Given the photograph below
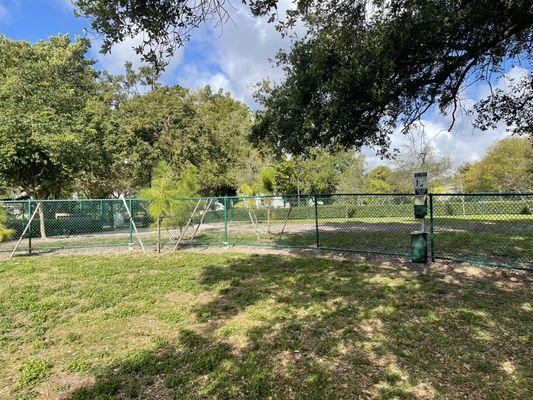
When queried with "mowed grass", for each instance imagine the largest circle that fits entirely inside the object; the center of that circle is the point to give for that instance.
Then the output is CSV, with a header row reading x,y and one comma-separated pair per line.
x,y
191,326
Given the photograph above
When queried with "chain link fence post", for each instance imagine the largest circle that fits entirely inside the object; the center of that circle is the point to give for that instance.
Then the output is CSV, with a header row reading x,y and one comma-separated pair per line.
x,y
29,228
130,244
316,223
431,229
226,243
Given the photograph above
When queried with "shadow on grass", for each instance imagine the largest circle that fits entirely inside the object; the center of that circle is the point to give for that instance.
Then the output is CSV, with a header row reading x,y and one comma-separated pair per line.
x,y
304,328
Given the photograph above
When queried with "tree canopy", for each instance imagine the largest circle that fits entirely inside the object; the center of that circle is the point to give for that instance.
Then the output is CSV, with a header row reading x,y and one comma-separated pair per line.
x,y
67,129
362,67
507,166
362,72
46,119
207,129
320,172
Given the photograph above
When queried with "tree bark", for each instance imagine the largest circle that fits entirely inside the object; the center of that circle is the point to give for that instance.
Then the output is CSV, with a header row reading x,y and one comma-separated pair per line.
x,y
41,221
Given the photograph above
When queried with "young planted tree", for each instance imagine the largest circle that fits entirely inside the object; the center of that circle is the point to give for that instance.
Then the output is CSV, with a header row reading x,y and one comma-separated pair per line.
x,y
249,204
266,186
246,190
181,209
164,194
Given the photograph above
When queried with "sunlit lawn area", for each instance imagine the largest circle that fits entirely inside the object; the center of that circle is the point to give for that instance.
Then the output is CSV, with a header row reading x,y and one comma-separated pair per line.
x,y
259,326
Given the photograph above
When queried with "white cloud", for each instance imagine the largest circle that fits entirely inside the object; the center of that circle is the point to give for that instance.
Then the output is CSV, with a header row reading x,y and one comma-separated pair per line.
x,y
125,51
233,58
463,143
239,52
193,77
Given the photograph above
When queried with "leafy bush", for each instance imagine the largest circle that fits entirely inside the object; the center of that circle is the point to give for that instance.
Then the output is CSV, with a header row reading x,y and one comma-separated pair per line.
x,y
5,232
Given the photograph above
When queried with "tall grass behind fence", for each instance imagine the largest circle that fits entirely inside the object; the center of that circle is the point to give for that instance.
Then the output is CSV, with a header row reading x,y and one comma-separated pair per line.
x,y
485,228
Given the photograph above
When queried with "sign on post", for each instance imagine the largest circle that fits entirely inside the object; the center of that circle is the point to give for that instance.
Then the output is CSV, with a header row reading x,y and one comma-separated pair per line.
x,y
419,238
421,191
421,183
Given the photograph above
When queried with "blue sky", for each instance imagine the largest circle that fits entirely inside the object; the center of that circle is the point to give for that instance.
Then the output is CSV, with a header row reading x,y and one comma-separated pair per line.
x,y
234,60
37,19
34,20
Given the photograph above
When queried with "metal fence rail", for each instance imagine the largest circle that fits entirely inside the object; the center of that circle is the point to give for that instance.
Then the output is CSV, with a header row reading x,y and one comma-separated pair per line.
x,y
493,229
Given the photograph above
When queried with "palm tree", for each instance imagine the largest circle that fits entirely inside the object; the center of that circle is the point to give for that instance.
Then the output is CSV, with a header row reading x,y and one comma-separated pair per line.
x,y
164,194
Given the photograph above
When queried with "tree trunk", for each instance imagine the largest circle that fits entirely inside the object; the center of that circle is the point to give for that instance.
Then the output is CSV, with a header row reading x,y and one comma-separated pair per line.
x,y
159,235
41,221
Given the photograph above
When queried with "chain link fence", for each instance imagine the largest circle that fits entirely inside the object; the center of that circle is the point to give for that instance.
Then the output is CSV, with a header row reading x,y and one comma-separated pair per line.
x,y
495,229
492,229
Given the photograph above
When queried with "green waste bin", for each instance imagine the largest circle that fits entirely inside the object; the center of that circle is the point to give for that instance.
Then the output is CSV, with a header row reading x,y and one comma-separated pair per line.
x,y
419,247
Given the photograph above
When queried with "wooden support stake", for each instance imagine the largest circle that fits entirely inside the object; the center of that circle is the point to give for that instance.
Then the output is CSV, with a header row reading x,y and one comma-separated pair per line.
x,y
186,226
206,208
133,223
254,221
24,231
286,220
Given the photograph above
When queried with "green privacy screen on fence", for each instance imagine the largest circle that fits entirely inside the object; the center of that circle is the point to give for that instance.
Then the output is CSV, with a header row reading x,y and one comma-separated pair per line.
x,y
494,229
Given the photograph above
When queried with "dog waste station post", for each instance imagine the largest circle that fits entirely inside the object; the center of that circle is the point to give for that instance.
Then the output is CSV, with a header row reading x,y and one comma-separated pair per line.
x,y
419,239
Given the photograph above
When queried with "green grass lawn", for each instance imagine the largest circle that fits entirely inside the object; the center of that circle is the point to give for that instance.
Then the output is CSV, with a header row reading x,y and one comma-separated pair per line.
x,y
191,326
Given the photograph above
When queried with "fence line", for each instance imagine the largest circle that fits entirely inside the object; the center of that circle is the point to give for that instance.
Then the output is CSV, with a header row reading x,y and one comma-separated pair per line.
x,y
492,229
